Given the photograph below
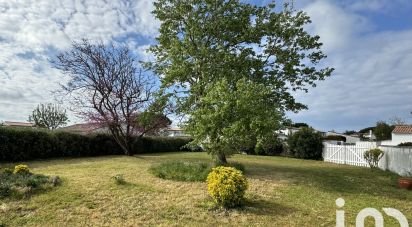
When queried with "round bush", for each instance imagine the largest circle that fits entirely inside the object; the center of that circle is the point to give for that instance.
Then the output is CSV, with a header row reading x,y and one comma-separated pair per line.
x,y
227,186
306,144
21,169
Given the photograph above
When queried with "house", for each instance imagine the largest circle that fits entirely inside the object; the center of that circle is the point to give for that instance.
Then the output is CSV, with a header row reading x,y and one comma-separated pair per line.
x,y
349,138
175,132
402,134
84,129
284,133
17,124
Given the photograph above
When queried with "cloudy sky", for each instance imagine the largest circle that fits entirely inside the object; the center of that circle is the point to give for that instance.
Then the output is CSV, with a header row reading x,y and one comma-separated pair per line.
x,y
368,42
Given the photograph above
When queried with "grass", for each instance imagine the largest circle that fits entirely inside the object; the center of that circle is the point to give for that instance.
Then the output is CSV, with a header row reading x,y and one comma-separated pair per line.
x,y
187,170
181,171
282,192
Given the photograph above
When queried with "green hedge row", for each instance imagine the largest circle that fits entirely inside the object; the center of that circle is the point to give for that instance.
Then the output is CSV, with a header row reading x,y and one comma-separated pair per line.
x,y
19,145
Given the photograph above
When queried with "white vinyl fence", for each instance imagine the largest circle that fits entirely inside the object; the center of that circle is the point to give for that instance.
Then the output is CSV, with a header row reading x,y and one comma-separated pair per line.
x,y
395,159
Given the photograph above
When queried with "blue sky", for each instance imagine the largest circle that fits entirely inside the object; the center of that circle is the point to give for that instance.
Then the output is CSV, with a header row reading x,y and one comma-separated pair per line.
x,y
369,42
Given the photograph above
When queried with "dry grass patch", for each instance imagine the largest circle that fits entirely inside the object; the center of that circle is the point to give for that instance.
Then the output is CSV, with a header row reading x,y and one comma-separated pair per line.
x,y
282,192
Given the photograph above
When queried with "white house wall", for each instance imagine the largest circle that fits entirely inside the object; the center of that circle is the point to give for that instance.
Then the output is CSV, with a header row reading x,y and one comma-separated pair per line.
x,y
401,138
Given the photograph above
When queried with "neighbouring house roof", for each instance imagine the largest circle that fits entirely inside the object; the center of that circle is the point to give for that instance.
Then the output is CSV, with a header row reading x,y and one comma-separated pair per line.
x,y
174,129
84,128
18,124
403,129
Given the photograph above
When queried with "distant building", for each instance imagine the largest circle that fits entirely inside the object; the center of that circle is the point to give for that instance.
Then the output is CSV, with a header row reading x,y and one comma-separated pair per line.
x,y
349,138
17,124
284,133
175,132
85,129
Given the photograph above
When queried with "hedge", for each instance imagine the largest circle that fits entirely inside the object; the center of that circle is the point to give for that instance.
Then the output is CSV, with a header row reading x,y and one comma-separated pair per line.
x,y
23,145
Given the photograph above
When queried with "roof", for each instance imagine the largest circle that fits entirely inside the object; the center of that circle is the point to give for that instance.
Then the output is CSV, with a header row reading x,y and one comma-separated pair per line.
x,y
403,129
82,128
16,123
174,129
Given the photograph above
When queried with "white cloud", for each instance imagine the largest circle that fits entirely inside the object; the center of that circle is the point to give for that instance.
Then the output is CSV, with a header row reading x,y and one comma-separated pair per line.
x,y
32,30
372,77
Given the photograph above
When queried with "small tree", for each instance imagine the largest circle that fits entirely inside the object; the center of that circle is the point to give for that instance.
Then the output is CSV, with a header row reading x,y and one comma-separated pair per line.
x,y
306,144
382,131
373,156
106,87
50,116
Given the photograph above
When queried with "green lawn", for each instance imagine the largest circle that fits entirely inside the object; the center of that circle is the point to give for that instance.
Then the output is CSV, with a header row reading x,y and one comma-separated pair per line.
x,y
282,192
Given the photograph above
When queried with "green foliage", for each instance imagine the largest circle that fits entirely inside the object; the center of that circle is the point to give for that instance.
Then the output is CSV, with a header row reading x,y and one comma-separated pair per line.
x,y
235,94
21,145
366,130
373,156
335,137
181,171
382,131
119,179
21,169
349,132
405,144
50,116
272,147
306,144
230,120
227,186
299,125
21,184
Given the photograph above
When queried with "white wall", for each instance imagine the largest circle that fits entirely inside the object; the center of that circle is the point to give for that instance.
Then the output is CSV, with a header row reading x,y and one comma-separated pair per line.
x,y
401,138
396,159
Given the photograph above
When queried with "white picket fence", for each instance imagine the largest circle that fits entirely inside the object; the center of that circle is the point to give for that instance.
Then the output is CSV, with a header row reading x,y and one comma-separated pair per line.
x,y
346,154
395,159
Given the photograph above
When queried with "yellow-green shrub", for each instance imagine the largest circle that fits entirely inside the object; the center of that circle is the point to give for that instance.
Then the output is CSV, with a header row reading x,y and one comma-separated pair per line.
x,y
227,186
21,169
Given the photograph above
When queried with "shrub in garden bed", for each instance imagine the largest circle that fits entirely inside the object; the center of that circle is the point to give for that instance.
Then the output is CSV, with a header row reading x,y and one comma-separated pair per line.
x,y
22,183
227,186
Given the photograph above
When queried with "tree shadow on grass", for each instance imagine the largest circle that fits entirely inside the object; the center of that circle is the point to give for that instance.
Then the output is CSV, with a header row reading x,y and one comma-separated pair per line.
x,y
331,178
264,207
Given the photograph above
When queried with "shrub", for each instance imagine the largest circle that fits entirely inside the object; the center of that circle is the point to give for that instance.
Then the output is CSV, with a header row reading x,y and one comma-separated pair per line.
x,y
405,144
335,137
272,147
373,156
22,145
181,171
119,179
22,185
306,144
227,186
21,169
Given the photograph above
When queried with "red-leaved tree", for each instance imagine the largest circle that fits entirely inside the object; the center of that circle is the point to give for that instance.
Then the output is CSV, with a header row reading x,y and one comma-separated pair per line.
x,y
106,87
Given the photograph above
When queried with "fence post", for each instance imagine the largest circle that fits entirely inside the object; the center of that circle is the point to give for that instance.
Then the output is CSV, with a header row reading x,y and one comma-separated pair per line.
x,y
344,154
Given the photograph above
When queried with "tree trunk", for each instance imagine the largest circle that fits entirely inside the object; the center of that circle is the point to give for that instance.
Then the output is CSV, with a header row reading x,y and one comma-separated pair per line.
x,y
221,158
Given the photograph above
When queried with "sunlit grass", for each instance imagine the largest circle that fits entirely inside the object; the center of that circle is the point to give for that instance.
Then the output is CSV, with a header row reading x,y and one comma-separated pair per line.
x,y
282,192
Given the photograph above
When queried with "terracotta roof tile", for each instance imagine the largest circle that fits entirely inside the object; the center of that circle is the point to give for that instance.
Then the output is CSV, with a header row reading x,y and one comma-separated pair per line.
x,y
403,129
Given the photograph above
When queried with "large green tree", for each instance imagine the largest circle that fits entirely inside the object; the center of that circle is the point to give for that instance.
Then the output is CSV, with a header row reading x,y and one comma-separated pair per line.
x,y
211,51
